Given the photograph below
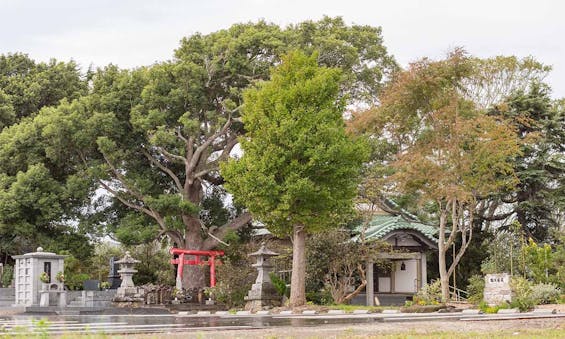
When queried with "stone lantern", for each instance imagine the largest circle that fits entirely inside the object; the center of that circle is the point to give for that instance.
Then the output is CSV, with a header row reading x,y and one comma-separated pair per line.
x,y
262,293
127,290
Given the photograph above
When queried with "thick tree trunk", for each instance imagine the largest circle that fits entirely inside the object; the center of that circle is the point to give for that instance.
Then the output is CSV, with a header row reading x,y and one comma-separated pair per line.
x,y
194,276
298,280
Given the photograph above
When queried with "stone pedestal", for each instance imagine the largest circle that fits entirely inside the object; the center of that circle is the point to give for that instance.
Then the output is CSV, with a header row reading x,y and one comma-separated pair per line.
x,y
127,292
262,294
497,289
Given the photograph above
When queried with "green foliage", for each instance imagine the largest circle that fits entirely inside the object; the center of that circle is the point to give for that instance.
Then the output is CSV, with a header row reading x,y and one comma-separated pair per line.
x,y
537,202
334,263
539,261
76,272
476,288
429,294
152,137
280,285
27,86
298,167
234,281
319,297
545,293
7,275
443,148
504,249
485,308
523,297
44,278
155,264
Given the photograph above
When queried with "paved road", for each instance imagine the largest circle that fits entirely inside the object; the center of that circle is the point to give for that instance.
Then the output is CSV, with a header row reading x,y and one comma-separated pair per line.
x,y
130,324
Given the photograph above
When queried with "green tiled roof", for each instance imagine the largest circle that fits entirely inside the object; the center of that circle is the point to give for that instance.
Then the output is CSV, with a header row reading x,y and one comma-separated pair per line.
x,y
382,225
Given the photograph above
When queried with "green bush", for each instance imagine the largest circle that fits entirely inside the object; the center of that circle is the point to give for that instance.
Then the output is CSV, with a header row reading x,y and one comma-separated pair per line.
x,y
430,294
545,293
234,281
320,297
523,294
476,288
7,276
280,285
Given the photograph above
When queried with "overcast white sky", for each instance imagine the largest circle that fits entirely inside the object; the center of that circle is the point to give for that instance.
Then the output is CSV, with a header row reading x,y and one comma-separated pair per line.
x,y
131,33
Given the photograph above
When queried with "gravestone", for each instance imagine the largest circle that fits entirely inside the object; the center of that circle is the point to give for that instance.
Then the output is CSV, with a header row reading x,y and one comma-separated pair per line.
x,y
114,276
91,285
28,272
497,289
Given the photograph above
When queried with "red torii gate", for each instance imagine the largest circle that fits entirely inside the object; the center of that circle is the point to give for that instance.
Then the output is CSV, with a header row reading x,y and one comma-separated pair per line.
x,y
181,261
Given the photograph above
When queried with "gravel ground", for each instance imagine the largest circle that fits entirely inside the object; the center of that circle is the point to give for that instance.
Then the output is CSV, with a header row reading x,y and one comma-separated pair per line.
x,y
447,329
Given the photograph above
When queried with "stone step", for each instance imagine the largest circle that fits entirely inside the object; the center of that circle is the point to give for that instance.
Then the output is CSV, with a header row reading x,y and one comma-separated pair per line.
x,y
336,312
544,311
471,311
360,311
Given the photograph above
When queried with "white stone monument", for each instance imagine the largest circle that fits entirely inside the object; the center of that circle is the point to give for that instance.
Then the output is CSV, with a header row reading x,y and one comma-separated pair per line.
x,y
497,289
28,271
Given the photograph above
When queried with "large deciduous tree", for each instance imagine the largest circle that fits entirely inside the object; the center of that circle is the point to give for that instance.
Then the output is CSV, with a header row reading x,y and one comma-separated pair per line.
x,y
299,168
448,152
153,137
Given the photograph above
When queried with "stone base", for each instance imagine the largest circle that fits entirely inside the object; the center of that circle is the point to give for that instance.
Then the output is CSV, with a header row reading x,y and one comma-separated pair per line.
x,y
259,305
128,303
129,295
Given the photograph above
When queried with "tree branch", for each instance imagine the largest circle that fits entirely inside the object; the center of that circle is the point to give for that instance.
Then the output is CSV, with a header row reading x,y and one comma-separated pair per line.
x,y
163,168
197,154
123,180
233,225
125,201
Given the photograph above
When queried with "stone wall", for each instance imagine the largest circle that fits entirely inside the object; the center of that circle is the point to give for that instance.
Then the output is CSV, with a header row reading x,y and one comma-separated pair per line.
x,y
7,297
90,298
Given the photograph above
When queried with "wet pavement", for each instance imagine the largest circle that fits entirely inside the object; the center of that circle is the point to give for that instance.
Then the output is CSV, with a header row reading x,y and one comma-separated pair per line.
x,y
172,323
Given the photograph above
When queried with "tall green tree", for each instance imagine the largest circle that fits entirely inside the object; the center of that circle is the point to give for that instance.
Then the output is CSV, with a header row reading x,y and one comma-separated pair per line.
x,y
299,168
38,192
153,137
449,153
537,201
26,86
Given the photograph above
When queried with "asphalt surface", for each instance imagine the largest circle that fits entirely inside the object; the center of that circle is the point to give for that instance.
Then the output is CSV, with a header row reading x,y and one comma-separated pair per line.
x,y
174,323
